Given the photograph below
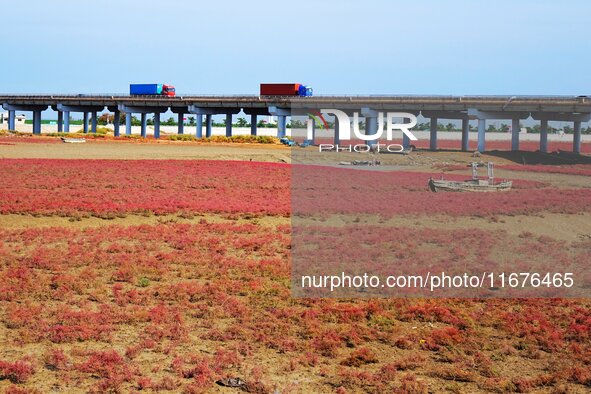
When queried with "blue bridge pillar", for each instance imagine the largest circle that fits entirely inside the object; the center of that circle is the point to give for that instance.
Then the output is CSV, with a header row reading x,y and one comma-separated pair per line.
x,y
144,123
465,134
481,135
199,126
228,125
66,121
85,122
94,121
282,114
433,134
157,125
371,122
208,124
371,125
11,120
253,124
544,135
86,110
128,123
181,123
281,126
60,121
37,122
116,121
577,137
337,133
515,129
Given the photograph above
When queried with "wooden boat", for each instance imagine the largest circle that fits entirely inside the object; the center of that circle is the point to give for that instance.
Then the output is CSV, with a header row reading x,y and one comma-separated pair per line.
x,y
73,140
471,185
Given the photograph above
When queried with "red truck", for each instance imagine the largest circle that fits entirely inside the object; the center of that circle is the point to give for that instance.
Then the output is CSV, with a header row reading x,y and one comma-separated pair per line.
x,y
285,89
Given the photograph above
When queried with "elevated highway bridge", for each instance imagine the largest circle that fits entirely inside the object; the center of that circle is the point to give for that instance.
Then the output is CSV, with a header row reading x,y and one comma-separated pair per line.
x,y
576,109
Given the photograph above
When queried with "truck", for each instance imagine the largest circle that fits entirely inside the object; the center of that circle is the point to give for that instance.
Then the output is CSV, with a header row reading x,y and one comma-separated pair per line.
x,y
151,89
285,89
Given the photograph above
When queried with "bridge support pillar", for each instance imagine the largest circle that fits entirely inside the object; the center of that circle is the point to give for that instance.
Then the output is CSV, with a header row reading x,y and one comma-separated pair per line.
x,y
481,135
60,121
544,135
85,122
181,123
281,126
37,122
157,125
228,125
311,132
337,131
577,137
93,121
144,123
11,120
282,114
116,123
128,123
433,134
405,139
253,124
371,126
515,130
465,134
66,121
208,124
199,126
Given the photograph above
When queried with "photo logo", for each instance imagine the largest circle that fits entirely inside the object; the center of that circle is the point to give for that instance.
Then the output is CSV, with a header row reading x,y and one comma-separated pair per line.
x,y
345,125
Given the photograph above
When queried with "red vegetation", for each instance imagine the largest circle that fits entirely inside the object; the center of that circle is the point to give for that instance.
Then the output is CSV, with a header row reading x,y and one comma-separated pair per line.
x,y
108,189
115,187
17,372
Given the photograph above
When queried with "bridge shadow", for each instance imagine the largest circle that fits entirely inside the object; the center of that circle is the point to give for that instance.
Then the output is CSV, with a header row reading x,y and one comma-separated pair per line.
x,y
554,158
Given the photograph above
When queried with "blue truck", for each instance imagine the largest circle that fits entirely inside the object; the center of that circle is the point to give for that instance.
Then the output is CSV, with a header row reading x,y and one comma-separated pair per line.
x,y
151,89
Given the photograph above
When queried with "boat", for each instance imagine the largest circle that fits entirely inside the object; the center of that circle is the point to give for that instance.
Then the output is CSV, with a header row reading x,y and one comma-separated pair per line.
x,y
73,140
471,185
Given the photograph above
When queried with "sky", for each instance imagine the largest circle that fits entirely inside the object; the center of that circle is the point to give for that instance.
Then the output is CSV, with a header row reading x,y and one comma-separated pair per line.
x,y
337,47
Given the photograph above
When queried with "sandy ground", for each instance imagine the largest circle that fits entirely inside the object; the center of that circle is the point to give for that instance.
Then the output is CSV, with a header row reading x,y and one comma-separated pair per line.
x,y
164,150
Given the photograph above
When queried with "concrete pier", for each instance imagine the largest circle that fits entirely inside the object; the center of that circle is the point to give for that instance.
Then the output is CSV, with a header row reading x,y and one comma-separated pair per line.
x,y
128,123
181,123
228,125
253,124
577,136
60,121
433,134
199,126
515,130
544,135
208,124
465,134
157,125
85,122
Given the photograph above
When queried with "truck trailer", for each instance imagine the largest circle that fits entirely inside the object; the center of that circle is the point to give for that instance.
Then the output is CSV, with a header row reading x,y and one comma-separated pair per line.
x,y
285,89
151,89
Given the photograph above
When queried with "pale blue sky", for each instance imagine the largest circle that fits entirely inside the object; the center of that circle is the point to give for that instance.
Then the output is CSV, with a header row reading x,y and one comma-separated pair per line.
x,y
338,47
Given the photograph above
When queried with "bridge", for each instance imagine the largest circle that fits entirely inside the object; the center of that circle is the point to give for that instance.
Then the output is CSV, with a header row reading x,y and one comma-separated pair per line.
x,y
576,109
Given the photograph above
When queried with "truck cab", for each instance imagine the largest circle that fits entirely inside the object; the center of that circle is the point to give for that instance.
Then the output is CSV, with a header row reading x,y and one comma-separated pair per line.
x,y
305,91
168,90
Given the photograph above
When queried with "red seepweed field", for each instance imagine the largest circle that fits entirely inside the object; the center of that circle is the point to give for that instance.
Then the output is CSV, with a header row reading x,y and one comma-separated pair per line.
x,y
172,275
